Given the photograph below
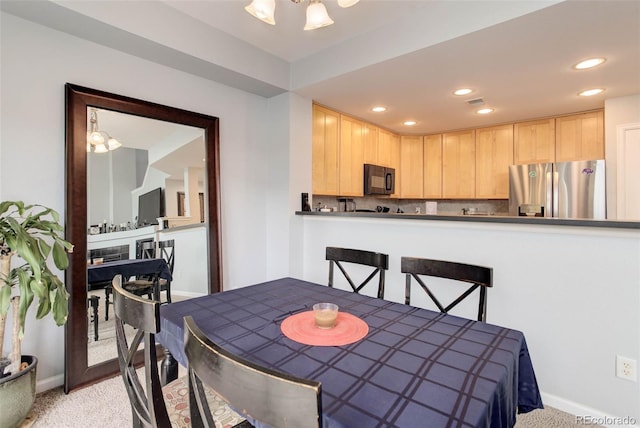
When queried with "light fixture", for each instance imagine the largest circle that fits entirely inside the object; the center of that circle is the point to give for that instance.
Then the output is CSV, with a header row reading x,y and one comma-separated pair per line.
x,y
409,122
462,91
589,63
379,109
99,141
590,92
264,10
485,110
317,16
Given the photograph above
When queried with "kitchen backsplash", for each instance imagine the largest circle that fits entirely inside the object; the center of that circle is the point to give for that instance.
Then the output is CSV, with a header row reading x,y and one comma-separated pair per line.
x,y
499,207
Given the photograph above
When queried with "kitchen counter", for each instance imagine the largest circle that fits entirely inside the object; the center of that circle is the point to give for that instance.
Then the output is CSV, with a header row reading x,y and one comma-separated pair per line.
x,y
617,224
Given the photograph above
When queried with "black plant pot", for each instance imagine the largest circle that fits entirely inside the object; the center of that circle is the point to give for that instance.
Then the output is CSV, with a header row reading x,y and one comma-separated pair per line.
x,y
17,394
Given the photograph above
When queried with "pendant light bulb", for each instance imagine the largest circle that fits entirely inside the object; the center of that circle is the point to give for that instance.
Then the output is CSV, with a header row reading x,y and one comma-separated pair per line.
x,y
101,148
264,10
113,143
317,16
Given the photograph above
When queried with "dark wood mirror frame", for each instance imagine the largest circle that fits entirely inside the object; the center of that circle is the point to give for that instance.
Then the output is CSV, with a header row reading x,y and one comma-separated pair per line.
x,y
78,98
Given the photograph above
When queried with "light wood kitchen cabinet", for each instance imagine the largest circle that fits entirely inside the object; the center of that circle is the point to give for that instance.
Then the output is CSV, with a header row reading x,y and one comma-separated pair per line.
x,y
534,141
370,139
580,137
459,164
494,154
411,167
351,159
432,166
325,143
389,155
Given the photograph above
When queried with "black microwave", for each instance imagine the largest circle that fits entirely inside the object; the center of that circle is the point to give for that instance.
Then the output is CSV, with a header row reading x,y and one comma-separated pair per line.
x,y
379,180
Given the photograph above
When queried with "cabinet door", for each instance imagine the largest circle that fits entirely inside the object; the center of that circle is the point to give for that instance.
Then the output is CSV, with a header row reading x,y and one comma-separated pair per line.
x,y
351,157
432,164
395,162
411,167
459,164
325,139
534,142
494,154
580,137
370,138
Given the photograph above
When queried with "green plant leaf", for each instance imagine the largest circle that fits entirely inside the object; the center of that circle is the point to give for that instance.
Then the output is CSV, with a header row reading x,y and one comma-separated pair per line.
x,y
60,257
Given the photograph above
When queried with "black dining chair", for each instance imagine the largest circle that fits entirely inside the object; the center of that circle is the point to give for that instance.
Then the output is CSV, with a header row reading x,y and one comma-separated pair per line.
x,y
479,277
265,395
144,285
379,261
152,405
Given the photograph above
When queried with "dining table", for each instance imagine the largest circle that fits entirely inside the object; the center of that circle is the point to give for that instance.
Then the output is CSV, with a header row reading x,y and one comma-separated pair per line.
x,y
391,365
104,273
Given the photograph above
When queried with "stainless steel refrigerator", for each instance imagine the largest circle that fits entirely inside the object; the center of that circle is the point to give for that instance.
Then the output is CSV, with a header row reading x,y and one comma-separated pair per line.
x,y
563,189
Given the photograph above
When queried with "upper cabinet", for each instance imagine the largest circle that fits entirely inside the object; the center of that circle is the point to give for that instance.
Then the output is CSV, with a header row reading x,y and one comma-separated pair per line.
x,y
370,139
325,142
534,141
494,154
459,165
432,187
351,149
411,167
580,137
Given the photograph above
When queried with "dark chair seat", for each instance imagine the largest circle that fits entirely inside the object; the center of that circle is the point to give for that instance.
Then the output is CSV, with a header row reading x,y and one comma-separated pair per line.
x,y
479,277
144,285
379,261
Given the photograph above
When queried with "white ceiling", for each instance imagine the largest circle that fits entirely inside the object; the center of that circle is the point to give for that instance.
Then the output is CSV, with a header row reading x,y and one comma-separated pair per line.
x,y
406,55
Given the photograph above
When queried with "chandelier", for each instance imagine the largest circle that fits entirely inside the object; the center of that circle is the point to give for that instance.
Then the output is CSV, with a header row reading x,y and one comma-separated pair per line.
x,y
99,141
317,16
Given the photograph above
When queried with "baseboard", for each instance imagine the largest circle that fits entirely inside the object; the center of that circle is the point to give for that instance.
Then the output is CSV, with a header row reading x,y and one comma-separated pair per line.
x,y
190,294
43,385
595,416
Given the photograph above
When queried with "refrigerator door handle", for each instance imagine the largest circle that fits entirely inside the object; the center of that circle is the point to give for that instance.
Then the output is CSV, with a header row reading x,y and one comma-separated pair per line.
x,y
552,193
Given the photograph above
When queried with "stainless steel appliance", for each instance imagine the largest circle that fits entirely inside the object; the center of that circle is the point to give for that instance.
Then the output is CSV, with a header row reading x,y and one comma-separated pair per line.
x,y
562,189
379,180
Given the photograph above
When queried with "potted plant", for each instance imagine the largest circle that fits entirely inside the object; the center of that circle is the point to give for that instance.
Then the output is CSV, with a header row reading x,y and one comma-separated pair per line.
x,y
30,237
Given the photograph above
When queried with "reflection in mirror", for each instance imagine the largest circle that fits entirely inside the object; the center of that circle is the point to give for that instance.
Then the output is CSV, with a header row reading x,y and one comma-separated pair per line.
x,y
120,200
148,177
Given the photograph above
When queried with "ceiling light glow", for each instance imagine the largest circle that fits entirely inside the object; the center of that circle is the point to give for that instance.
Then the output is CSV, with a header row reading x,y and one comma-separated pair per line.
x,y
589,63
485,110
590,92
462,91
410,122
379,109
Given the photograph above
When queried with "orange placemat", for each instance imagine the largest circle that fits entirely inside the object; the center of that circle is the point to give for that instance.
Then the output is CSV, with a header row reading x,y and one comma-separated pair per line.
x,y
302,328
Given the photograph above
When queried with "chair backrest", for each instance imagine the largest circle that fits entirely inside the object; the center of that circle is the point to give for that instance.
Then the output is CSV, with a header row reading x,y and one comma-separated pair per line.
x,y
480,278
167,251
378,261
148,250
271,397
147,403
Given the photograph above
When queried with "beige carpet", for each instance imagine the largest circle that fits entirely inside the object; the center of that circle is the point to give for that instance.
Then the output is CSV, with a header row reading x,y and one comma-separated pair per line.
x,y
95,406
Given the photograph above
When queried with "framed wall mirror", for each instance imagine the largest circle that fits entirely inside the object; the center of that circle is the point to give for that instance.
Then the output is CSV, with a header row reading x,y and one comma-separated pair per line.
x,y
122,193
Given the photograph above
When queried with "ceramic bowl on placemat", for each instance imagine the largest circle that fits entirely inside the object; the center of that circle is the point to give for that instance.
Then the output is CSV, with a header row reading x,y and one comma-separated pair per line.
x,y
302,328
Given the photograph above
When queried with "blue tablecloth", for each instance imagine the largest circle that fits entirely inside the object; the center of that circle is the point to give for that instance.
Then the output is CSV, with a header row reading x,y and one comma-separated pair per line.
x,y
133,267
415,368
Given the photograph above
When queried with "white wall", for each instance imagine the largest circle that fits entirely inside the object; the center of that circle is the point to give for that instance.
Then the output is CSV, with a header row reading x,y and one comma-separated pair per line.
x,y
574,292
36,63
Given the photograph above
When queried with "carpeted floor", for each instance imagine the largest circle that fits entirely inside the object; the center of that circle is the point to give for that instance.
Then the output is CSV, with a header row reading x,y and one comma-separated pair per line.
x,y
94,407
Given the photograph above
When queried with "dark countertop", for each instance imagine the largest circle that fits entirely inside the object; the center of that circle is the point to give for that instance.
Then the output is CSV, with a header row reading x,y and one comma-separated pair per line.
x,y
616,224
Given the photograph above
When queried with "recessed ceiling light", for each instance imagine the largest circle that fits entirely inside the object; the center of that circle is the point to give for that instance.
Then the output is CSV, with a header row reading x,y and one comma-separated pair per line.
x,y
462,91
410,122
379,109
589,63
590,92
486,110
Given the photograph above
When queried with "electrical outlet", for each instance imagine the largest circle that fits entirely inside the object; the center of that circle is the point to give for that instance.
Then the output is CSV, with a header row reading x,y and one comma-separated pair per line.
x,y
626,368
